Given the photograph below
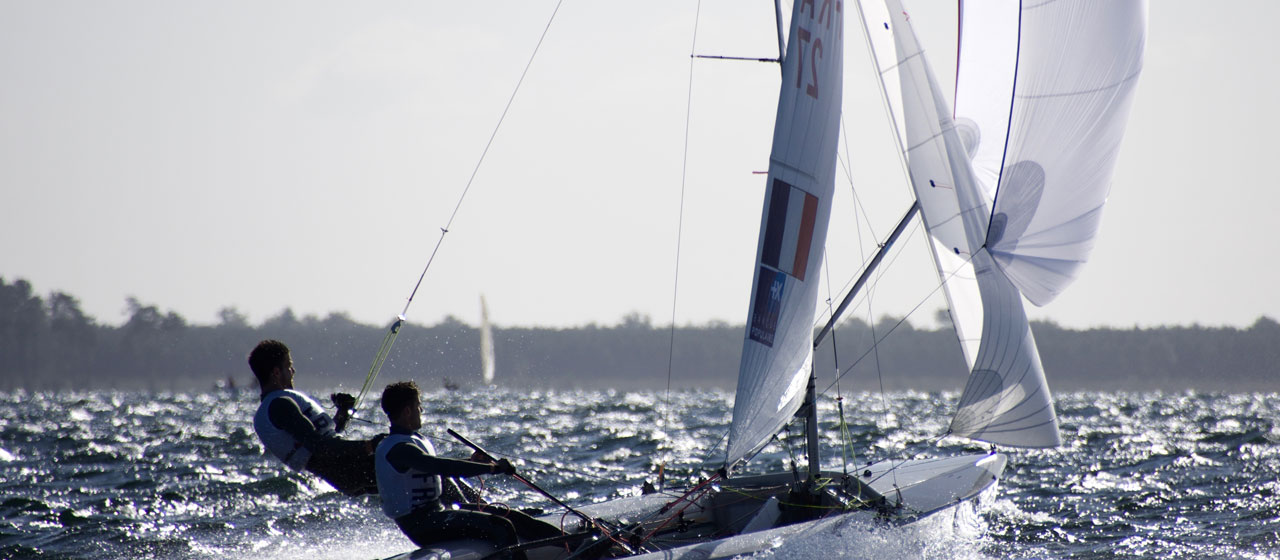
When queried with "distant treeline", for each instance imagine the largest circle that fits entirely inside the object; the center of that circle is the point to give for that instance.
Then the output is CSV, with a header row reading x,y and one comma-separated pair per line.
x,y
49,343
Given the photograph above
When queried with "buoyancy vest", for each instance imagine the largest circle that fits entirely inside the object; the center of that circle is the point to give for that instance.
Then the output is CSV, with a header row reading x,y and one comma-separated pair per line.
x,y
404,492
282,444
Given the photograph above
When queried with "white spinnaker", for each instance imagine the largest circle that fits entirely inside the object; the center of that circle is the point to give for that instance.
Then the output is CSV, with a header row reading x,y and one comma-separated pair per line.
x,y
1047,87
1006,398
778,347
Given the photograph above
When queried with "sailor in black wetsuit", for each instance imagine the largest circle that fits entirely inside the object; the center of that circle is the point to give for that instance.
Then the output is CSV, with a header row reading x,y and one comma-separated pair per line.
x,y
409,479
300,433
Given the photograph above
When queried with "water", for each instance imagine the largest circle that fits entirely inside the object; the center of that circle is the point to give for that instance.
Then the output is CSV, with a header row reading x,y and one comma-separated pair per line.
x,y
132,475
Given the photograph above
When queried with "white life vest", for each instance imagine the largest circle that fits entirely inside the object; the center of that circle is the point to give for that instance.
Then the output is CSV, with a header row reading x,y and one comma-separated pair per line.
x,y
403,492
281,443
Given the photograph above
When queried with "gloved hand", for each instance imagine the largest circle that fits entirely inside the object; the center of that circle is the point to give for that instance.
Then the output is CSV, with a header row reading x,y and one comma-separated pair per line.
x,y
343,401
341,418
504,466
345,404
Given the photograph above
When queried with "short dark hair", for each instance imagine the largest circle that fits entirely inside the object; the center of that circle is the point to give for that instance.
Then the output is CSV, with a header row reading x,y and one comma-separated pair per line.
x,y
397,396
267,355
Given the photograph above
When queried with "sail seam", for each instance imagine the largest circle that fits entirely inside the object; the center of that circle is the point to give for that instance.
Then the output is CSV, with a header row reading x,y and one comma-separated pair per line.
x,y
1130,78
902,61
793,169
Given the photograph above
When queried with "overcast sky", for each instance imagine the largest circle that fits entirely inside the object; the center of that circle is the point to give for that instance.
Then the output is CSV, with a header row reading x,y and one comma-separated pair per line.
x,y
264,155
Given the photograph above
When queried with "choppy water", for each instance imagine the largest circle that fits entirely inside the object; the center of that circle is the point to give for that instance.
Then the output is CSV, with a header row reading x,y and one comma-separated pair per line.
x,y
131,475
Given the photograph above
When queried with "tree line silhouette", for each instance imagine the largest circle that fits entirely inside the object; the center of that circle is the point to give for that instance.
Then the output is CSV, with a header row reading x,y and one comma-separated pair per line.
x,y
50,343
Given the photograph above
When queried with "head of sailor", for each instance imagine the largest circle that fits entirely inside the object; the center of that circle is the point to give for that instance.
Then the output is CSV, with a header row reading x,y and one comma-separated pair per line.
x,y
402,403
272,366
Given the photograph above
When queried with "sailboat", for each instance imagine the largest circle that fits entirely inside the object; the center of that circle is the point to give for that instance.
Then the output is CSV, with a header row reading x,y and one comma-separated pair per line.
x,y
486,353
1009,187
486,346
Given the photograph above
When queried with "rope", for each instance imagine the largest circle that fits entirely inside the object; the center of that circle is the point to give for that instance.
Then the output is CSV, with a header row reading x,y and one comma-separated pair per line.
x,y
701,489
392,333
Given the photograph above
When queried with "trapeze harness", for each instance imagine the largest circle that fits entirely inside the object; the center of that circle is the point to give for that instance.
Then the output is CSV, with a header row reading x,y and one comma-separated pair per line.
x,y
282,444
405,492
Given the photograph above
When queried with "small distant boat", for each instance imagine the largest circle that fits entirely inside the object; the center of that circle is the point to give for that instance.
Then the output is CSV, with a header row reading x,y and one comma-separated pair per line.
x,y
486,345
227,387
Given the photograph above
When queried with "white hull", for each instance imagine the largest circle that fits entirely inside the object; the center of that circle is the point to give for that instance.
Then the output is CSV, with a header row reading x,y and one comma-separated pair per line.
x,y
923,487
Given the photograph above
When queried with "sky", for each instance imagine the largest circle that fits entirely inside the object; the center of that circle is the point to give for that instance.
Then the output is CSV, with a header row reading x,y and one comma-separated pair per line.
x,y
306,155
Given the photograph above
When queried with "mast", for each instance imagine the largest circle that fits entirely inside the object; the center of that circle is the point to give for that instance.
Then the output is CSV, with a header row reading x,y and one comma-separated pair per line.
x,y
871,266
782,43
810,396
811,424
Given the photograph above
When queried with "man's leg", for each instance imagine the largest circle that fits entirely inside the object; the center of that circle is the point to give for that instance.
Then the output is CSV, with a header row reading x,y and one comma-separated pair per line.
x,y
427,528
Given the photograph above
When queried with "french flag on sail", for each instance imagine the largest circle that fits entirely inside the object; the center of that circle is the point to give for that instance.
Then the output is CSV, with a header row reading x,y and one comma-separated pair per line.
x,y
789,230
788,233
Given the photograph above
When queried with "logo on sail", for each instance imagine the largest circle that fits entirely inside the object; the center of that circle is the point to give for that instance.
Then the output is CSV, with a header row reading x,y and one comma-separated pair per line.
x,y
788,235
767,305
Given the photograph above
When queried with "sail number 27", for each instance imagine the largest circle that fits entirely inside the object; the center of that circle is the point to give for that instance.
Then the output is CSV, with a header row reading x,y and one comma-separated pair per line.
x,y
812,44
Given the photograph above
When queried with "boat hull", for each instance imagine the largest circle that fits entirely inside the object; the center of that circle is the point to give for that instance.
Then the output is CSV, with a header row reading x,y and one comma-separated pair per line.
x,y
760,512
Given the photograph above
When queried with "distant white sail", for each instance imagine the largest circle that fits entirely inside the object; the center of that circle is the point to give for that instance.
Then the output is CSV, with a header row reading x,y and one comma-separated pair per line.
x,y
778,346
486,345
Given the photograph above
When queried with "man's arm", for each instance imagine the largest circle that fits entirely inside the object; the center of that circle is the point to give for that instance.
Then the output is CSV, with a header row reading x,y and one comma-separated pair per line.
x,y
287,416
405,456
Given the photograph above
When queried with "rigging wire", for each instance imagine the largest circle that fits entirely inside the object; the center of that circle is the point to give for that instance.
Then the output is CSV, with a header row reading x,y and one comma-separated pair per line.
x,y
902,158
845,444
847,452
549,465
394,330
684,174
876,342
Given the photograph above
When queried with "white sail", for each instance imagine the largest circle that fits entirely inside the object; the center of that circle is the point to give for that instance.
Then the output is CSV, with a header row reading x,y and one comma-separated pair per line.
x,y
1006,399
907,86
1045,88
486,345
1044,127
778,347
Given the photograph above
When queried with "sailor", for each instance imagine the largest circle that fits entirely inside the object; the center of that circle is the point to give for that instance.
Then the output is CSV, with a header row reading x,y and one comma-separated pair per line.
x,y
409,480
300,433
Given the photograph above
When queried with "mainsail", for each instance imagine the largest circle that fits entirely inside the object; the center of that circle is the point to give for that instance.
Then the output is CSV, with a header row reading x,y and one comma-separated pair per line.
x,y
998,235
777,349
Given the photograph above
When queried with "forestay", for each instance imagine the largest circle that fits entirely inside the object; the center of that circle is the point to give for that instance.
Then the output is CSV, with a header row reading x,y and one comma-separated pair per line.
x,y
777,349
